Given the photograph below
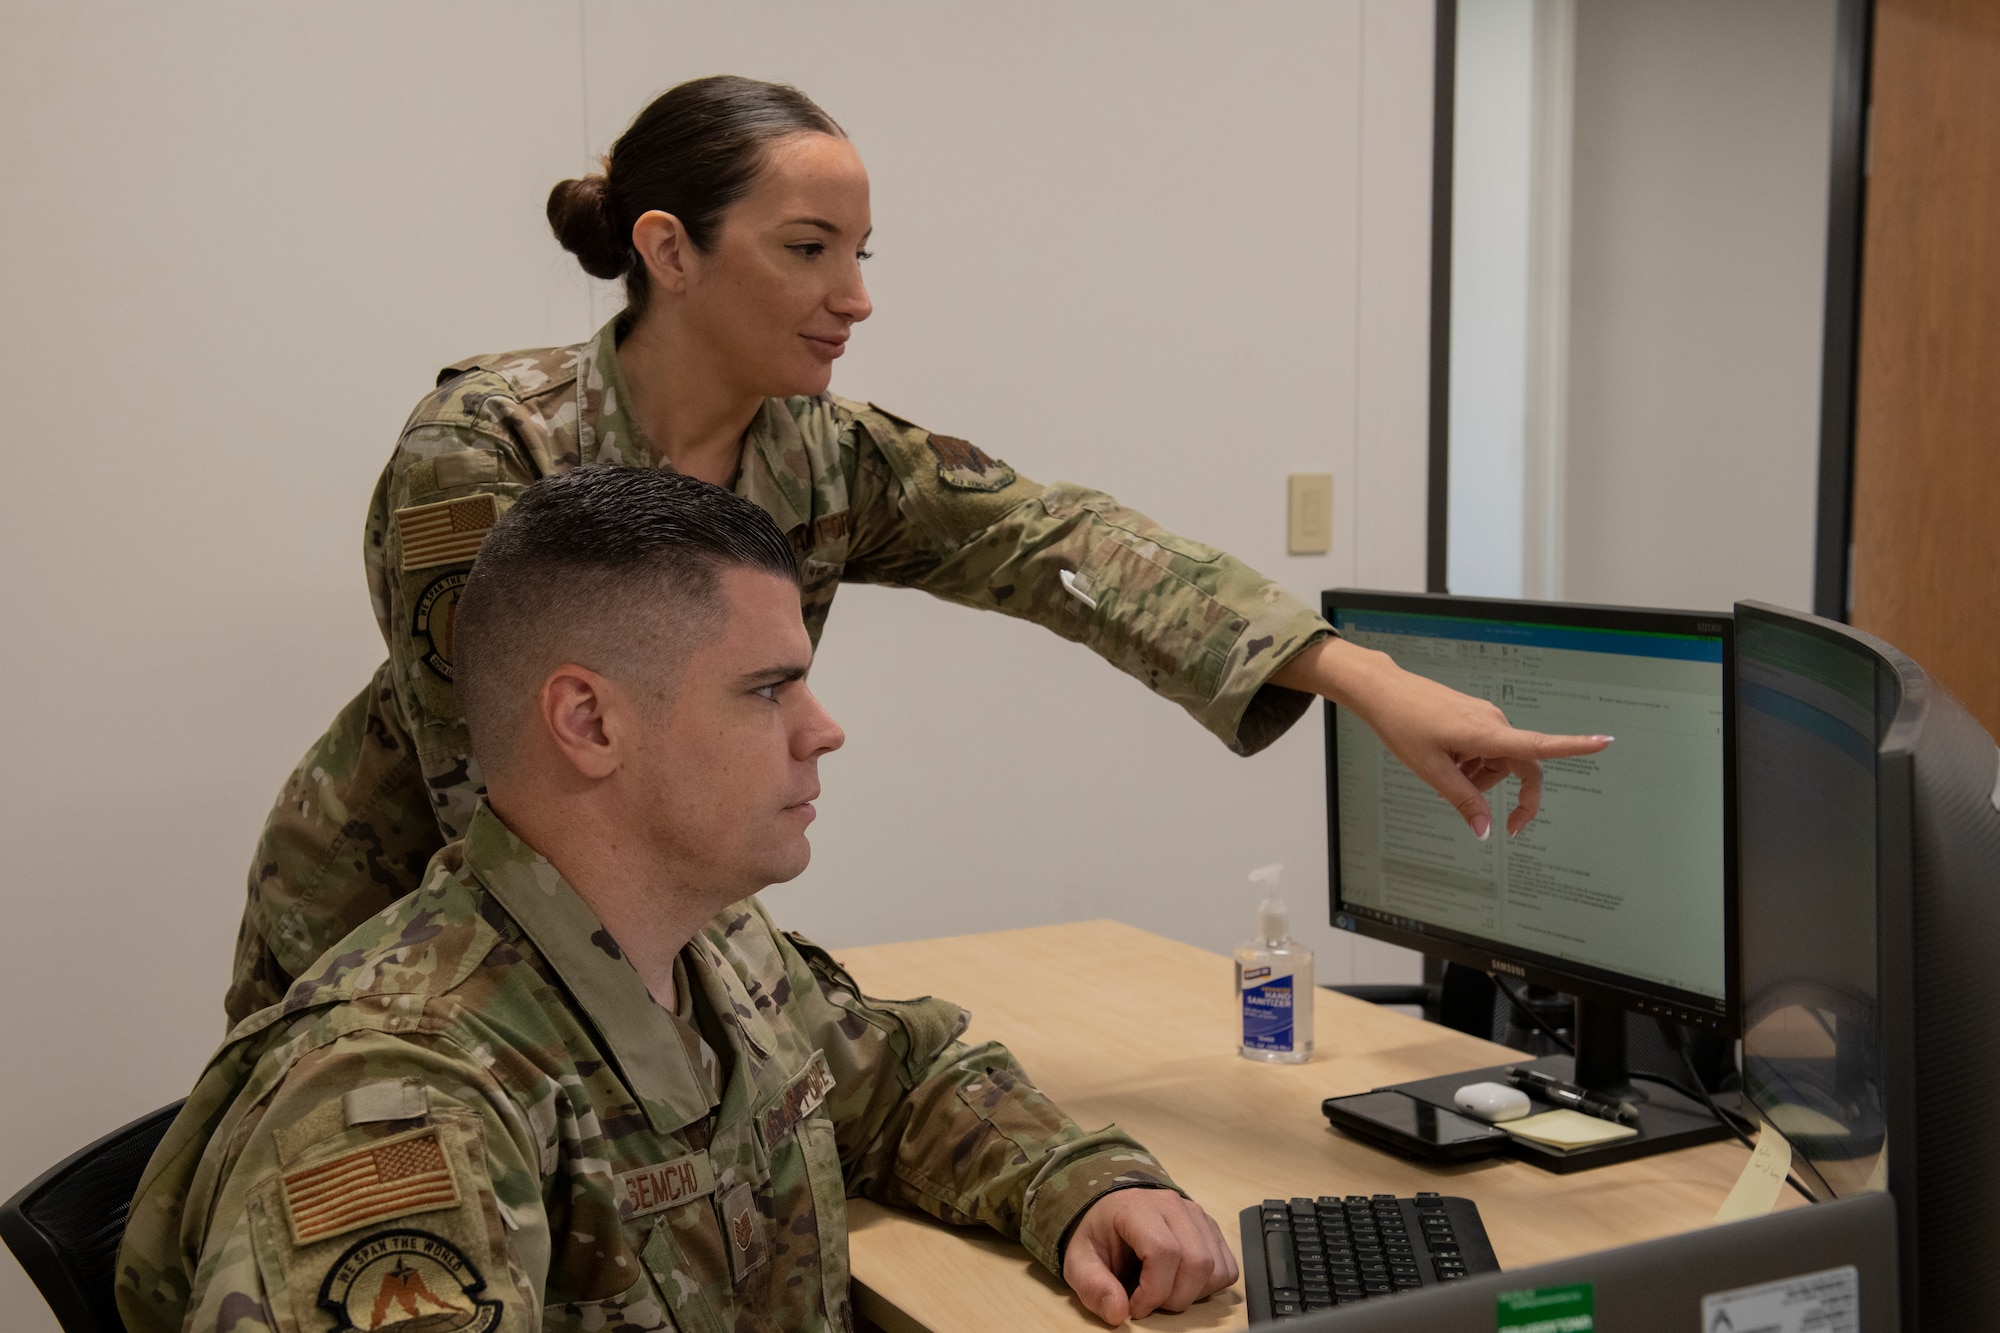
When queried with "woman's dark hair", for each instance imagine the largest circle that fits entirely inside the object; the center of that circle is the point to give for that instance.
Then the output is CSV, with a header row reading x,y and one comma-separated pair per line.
x,y
695,151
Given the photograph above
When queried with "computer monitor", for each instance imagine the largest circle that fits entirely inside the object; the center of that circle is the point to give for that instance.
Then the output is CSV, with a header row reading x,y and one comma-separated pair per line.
x,y
1870,810
1622,892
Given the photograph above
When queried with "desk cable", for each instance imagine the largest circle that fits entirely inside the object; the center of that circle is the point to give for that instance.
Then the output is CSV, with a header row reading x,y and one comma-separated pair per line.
x,y
1672,1035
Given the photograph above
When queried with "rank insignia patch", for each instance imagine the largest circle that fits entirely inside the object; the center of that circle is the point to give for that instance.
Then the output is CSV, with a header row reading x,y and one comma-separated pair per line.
x,y
408,1174
446,533
741,1224
406,1280
431,624
964,466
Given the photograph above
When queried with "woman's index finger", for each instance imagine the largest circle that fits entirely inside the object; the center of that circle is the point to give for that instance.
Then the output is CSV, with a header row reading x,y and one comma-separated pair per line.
x,y
1539,745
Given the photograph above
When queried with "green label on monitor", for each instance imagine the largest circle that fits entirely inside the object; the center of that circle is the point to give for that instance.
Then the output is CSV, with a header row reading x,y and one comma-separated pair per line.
x,y
1548,1310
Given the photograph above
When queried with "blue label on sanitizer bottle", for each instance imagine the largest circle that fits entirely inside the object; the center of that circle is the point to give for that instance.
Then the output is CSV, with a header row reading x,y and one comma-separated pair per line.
x,y
1267,1014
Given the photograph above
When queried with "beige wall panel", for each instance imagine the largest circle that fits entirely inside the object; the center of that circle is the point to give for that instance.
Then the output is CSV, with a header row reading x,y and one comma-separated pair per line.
x,y
1171,250
235,243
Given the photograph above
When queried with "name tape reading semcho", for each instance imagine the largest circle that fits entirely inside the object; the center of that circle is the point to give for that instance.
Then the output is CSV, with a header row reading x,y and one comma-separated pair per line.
x,y
666,1185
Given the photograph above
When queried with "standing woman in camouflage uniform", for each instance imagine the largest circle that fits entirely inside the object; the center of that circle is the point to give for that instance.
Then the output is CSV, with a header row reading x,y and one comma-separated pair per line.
x,y
736,213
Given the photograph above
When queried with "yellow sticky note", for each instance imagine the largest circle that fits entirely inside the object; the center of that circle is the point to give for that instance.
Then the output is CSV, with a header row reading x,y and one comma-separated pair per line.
x,y
1567,1129
1756,1190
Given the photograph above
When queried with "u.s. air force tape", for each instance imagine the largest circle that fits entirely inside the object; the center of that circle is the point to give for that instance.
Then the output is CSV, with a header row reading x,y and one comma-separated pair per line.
x,y
801,1097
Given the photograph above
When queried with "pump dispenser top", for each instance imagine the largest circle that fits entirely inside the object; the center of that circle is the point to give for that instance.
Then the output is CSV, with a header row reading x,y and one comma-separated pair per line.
x,y
1272,918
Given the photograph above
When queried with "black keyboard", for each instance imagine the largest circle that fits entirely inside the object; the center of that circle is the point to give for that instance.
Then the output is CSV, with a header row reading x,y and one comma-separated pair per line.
x,y
1302,1255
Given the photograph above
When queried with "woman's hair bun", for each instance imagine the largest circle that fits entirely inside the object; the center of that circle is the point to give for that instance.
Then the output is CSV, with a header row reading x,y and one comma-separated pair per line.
x,y
580,216
693,152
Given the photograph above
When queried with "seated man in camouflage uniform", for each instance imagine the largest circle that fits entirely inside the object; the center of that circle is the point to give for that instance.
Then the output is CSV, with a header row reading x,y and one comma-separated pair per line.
x,y
578,1079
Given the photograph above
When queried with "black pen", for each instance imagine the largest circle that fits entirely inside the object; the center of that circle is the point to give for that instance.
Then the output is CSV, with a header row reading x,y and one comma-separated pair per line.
x,y
1569,1094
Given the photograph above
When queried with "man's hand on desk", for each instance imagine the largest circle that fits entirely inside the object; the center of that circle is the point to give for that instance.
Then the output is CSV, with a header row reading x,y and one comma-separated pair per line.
x,y
1165,1248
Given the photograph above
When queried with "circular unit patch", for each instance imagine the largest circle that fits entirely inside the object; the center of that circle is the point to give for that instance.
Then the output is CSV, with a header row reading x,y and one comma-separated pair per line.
x,y
964,466
435,618
409,1281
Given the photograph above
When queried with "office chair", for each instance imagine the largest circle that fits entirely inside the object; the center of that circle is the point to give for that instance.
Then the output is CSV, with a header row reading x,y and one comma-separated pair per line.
x,y
65,1225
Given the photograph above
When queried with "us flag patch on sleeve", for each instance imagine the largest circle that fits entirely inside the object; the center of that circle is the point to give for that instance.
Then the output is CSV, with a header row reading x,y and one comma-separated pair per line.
x,y
393,1178
446,533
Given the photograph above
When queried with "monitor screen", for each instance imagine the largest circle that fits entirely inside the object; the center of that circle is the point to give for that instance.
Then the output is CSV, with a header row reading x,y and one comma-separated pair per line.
x,y
1812,1053
1624,880
1870,901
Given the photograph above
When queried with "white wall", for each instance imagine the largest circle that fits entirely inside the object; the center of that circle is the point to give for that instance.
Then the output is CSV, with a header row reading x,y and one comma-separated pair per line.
x,y
1698,266
1174,249
1665,206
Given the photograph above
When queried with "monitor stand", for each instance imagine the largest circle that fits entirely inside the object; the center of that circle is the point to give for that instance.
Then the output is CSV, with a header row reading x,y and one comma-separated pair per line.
x,y
1667,1120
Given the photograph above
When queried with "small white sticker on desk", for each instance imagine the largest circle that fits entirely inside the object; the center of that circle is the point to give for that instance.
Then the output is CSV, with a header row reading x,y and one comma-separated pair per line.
x,y
1826,1302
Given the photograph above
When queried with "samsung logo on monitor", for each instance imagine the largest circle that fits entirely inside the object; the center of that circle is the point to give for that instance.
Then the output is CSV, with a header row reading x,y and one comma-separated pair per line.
x,y
1511,969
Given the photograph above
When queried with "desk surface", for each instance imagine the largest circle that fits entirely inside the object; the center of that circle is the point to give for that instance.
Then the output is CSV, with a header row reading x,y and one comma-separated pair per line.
x,y
1118,1024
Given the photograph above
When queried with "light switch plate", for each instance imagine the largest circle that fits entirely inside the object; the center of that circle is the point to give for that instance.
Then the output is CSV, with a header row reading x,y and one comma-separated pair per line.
x,y
1309,513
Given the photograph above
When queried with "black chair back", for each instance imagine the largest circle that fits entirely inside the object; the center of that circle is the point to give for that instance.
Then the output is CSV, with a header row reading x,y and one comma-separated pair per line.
x,y
66,1224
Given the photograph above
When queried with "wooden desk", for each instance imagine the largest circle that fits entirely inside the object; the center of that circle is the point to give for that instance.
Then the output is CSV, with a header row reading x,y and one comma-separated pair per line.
x,y
1119,1024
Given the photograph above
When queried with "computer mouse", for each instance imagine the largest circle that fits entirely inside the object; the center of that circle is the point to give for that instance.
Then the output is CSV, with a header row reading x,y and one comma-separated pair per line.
x,y
1491,1102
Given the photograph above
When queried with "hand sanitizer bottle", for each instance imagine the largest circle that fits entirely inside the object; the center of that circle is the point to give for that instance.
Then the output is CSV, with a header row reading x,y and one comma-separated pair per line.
x,y
1274,984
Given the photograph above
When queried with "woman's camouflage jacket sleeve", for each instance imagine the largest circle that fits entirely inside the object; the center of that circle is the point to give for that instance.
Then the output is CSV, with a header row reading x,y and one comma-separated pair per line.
x,y
1195,624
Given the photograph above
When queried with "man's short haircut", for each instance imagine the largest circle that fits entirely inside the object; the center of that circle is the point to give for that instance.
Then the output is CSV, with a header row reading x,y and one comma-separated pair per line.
x,y
617,569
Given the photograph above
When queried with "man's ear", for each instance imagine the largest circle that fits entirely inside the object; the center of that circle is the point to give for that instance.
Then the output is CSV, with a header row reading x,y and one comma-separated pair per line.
x,y
664,249
580,713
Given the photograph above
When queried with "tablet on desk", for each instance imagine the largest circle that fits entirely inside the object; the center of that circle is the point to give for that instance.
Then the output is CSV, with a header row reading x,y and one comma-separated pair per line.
x,y
1402,1124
